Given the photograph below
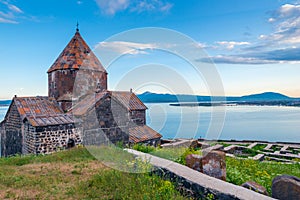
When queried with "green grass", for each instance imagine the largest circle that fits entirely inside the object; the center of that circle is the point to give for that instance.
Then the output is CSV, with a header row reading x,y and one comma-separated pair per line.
x,y
76,174
175,154
143,148
276,148
259,147
241,170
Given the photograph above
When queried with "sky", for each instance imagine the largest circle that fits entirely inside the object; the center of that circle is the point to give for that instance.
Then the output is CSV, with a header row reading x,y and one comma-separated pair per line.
x,y
248,46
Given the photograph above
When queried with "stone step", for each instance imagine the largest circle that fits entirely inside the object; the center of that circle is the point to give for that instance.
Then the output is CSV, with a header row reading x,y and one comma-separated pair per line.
x,y
252,145
268,147
259,157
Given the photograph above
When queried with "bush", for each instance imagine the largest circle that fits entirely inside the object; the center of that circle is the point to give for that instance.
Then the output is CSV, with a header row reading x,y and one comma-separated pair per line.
x,y
143,148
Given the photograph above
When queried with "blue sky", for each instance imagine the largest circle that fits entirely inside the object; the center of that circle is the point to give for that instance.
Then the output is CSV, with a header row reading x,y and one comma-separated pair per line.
x,y
255,45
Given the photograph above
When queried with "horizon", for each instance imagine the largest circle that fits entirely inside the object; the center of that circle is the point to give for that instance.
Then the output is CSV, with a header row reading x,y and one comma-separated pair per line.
x,y
198,95
254,46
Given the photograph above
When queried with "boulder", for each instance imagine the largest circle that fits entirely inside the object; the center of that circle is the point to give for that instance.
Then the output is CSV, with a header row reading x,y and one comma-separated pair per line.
x,y
286,187
255,187
214,164
194,144
194,161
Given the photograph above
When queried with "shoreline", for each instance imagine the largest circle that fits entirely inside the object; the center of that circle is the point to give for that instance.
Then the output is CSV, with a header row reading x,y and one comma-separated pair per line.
x,y
231,141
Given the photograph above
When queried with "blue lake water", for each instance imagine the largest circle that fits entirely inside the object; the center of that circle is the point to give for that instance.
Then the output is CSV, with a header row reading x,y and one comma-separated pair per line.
x,y
270,123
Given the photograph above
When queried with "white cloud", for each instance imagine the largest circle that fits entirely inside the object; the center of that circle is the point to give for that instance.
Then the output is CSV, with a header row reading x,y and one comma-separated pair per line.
x,y
123,47
232,59
150,5
288,10
8,21
111,7
200,45
14,8
271,19
10,13
231,44
287,25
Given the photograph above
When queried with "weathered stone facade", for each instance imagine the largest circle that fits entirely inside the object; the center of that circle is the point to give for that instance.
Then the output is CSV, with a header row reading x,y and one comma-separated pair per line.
x,y
11,134
50,138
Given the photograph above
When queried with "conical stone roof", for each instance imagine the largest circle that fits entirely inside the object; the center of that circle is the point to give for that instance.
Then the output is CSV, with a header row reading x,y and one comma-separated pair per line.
x,y
77,55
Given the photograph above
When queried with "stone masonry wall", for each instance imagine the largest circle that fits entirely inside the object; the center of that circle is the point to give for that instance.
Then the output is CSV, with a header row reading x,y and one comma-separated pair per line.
x,y
52,138
29,138
196,184
11,138
77,82
138,117
109,118
2,134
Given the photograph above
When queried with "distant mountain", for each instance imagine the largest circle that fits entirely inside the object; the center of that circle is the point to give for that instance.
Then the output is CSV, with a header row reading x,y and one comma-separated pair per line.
x,y
5,102
266,96
149,97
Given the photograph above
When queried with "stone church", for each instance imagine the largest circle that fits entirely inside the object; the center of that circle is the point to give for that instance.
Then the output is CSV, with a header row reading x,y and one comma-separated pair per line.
x,y
78,109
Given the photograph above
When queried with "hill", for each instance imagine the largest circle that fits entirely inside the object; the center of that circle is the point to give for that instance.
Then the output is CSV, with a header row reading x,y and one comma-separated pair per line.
x,y
149,97
266,96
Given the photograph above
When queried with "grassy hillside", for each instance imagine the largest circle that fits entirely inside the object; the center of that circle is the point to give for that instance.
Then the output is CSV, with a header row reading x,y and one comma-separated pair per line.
x,y
75,174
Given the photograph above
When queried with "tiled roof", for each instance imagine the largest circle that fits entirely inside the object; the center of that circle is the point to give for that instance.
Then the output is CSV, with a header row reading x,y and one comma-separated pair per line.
x,y
77,54
51,120
142,133
87,102
129,100
41,111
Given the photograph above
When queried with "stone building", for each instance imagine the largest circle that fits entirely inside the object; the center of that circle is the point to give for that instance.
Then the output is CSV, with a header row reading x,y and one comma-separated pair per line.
x,y
78,110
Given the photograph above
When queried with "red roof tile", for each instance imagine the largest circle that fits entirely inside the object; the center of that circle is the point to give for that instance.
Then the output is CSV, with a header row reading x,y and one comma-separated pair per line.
x,y
129,100
77,54
142,133
41,111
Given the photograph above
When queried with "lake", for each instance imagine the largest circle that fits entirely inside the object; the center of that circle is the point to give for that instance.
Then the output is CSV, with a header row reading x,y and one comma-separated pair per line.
x,y
270,123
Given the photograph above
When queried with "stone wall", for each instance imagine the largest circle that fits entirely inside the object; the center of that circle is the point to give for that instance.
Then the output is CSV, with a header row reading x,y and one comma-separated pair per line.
x,y
196,184
29,138
11,137
138,117
61,82
107,117
77,82
51,138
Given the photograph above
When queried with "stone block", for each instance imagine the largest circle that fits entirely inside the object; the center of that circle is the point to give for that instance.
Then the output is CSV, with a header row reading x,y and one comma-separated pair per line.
x,y
286,187
194,161
214,164
255,187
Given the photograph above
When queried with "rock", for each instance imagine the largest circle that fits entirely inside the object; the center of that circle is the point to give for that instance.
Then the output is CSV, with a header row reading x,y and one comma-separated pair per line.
x,y
194,144
255,187
194,161
214,164
203,145
286,187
